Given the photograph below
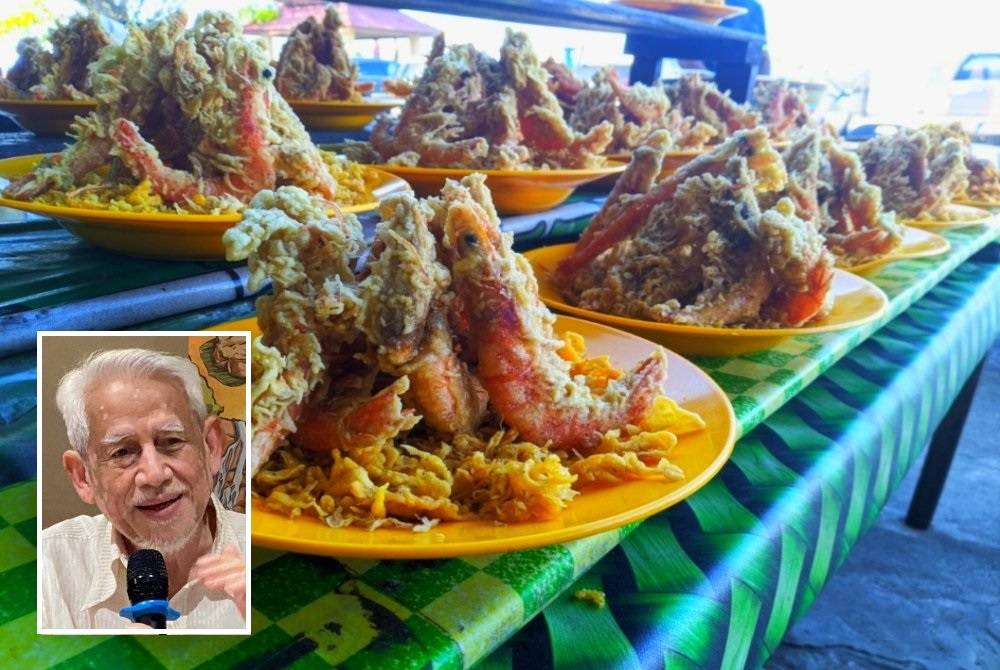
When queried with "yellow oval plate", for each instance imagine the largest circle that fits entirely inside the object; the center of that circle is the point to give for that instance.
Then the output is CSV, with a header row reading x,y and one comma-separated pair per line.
x,y
46,117
594,510
917,243
514,191
856,301
980,204
696,11
155,234
340,114
959,216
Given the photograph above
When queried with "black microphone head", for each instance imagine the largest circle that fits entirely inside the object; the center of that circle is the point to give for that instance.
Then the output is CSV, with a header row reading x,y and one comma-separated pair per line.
x,y
146,576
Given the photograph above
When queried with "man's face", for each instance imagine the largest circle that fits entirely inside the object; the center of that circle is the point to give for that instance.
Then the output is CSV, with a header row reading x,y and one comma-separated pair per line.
x,y
148,468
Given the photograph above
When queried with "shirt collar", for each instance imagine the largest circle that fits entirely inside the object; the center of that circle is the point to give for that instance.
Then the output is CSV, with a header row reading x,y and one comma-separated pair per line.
x,y
112,560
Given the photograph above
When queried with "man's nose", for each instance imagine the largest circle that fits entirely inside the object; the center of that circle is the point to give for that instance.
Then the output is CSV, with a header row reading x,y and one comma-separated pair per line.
x,y
153,467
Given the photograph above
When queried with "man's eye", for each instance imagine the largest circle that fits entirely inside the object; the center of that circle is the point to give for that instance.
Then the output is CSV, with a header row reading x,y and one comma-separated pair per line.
x,y
122,454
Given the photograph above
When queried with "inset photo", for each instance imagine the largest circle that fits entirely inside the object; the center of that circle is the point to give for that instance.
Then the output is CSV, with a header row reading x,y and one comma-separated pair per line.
x,y
142,472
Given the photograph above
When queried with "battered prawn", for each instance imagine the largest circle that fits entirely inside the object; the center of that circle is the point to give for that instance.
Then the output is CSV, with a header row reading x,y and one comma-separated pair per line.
x,y
405,316
528,383
357,422
621,216
174,185
645,103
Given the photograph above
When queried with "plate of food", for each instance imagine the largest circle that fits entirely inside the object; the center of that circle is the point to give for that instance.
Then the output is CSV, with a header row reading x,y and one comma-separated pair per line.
x,y
981,184
320,82
916,243
426,404
502,120
514,191
714,259
853,302
166,185
922,173
704,11
49,84
342,115
952,215
133,219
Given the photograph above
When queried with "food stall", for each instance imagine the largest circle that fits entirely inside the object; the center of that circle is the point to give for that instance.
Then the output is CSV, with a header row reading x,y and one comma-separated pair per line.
x,y
790,422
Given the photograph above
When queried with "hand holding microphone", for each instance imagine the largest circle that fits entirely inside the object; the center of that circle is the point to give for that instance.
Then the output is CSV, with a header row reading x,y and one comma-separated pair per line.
x,y
146,582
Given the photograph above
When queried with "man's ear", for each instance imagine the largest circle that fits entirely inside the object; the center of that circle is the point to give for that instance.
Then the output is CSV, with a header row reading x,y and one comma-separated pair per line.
x,y
215,442
76,468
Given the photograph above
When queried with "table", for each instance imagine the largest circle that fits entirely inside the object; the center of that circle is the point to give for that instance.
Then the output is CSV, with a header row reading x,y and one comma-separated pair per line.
x,y
830,424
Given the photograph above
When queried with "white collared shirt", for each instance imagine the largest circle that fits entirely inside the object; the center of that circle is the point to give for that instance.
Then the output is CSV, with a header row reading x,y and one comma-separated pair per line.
x,y
82,575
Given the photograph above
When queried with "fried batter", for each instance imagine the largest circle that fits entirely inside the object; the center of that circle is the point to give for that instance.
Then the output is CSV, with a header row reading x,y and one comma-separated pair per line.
x,y
62,73
471,111
918,177
314,64
189,115
828,185
783,108
698,248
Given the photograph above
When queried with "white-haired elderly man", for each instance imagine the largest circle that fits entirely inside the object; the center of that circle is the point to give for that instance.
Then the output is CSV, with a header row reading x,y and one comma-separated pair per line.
x,y
145,451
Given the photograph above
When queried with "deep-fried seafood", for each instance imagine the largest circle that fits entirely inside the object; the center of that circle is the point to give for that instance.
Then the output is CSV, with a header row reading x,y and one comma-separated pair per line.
x,y
983,182
314,64
528,382
289,237
405,316
784,109
562,82
374,383
471,111
622,214
62,73
633,111
188,120
917,177
706,104
828,185
697,248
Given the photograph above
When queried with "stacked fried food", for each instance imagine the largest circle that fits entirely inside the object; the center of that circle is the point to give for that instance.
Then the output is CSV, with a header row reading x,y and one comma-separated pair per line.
x,y
471,111
708,245
829,188
187,120
983,180
918,175
59,74
429,383
634,111
314,64
704,109
695,113
783,108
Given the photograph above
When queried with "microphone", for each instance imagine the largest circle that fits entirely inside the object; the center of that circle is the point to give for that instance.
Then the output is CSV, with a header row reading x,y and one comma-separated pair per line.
x,y
146,581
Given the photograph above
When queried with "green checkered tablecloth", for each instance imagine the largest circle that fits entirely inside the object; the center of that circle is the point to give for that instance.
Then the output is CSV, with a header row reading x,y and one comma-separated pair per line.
x,y
715,580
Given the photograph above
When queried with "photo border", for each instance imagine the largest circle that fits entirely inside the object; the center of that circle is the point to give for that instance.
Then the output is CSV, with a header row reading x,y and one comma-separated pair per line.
x,y
246,630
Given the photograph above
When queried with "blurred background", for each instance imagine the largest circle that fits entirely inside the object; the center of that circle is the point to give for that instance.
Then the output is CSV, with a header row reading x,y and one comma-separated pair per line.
x,y
863,62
